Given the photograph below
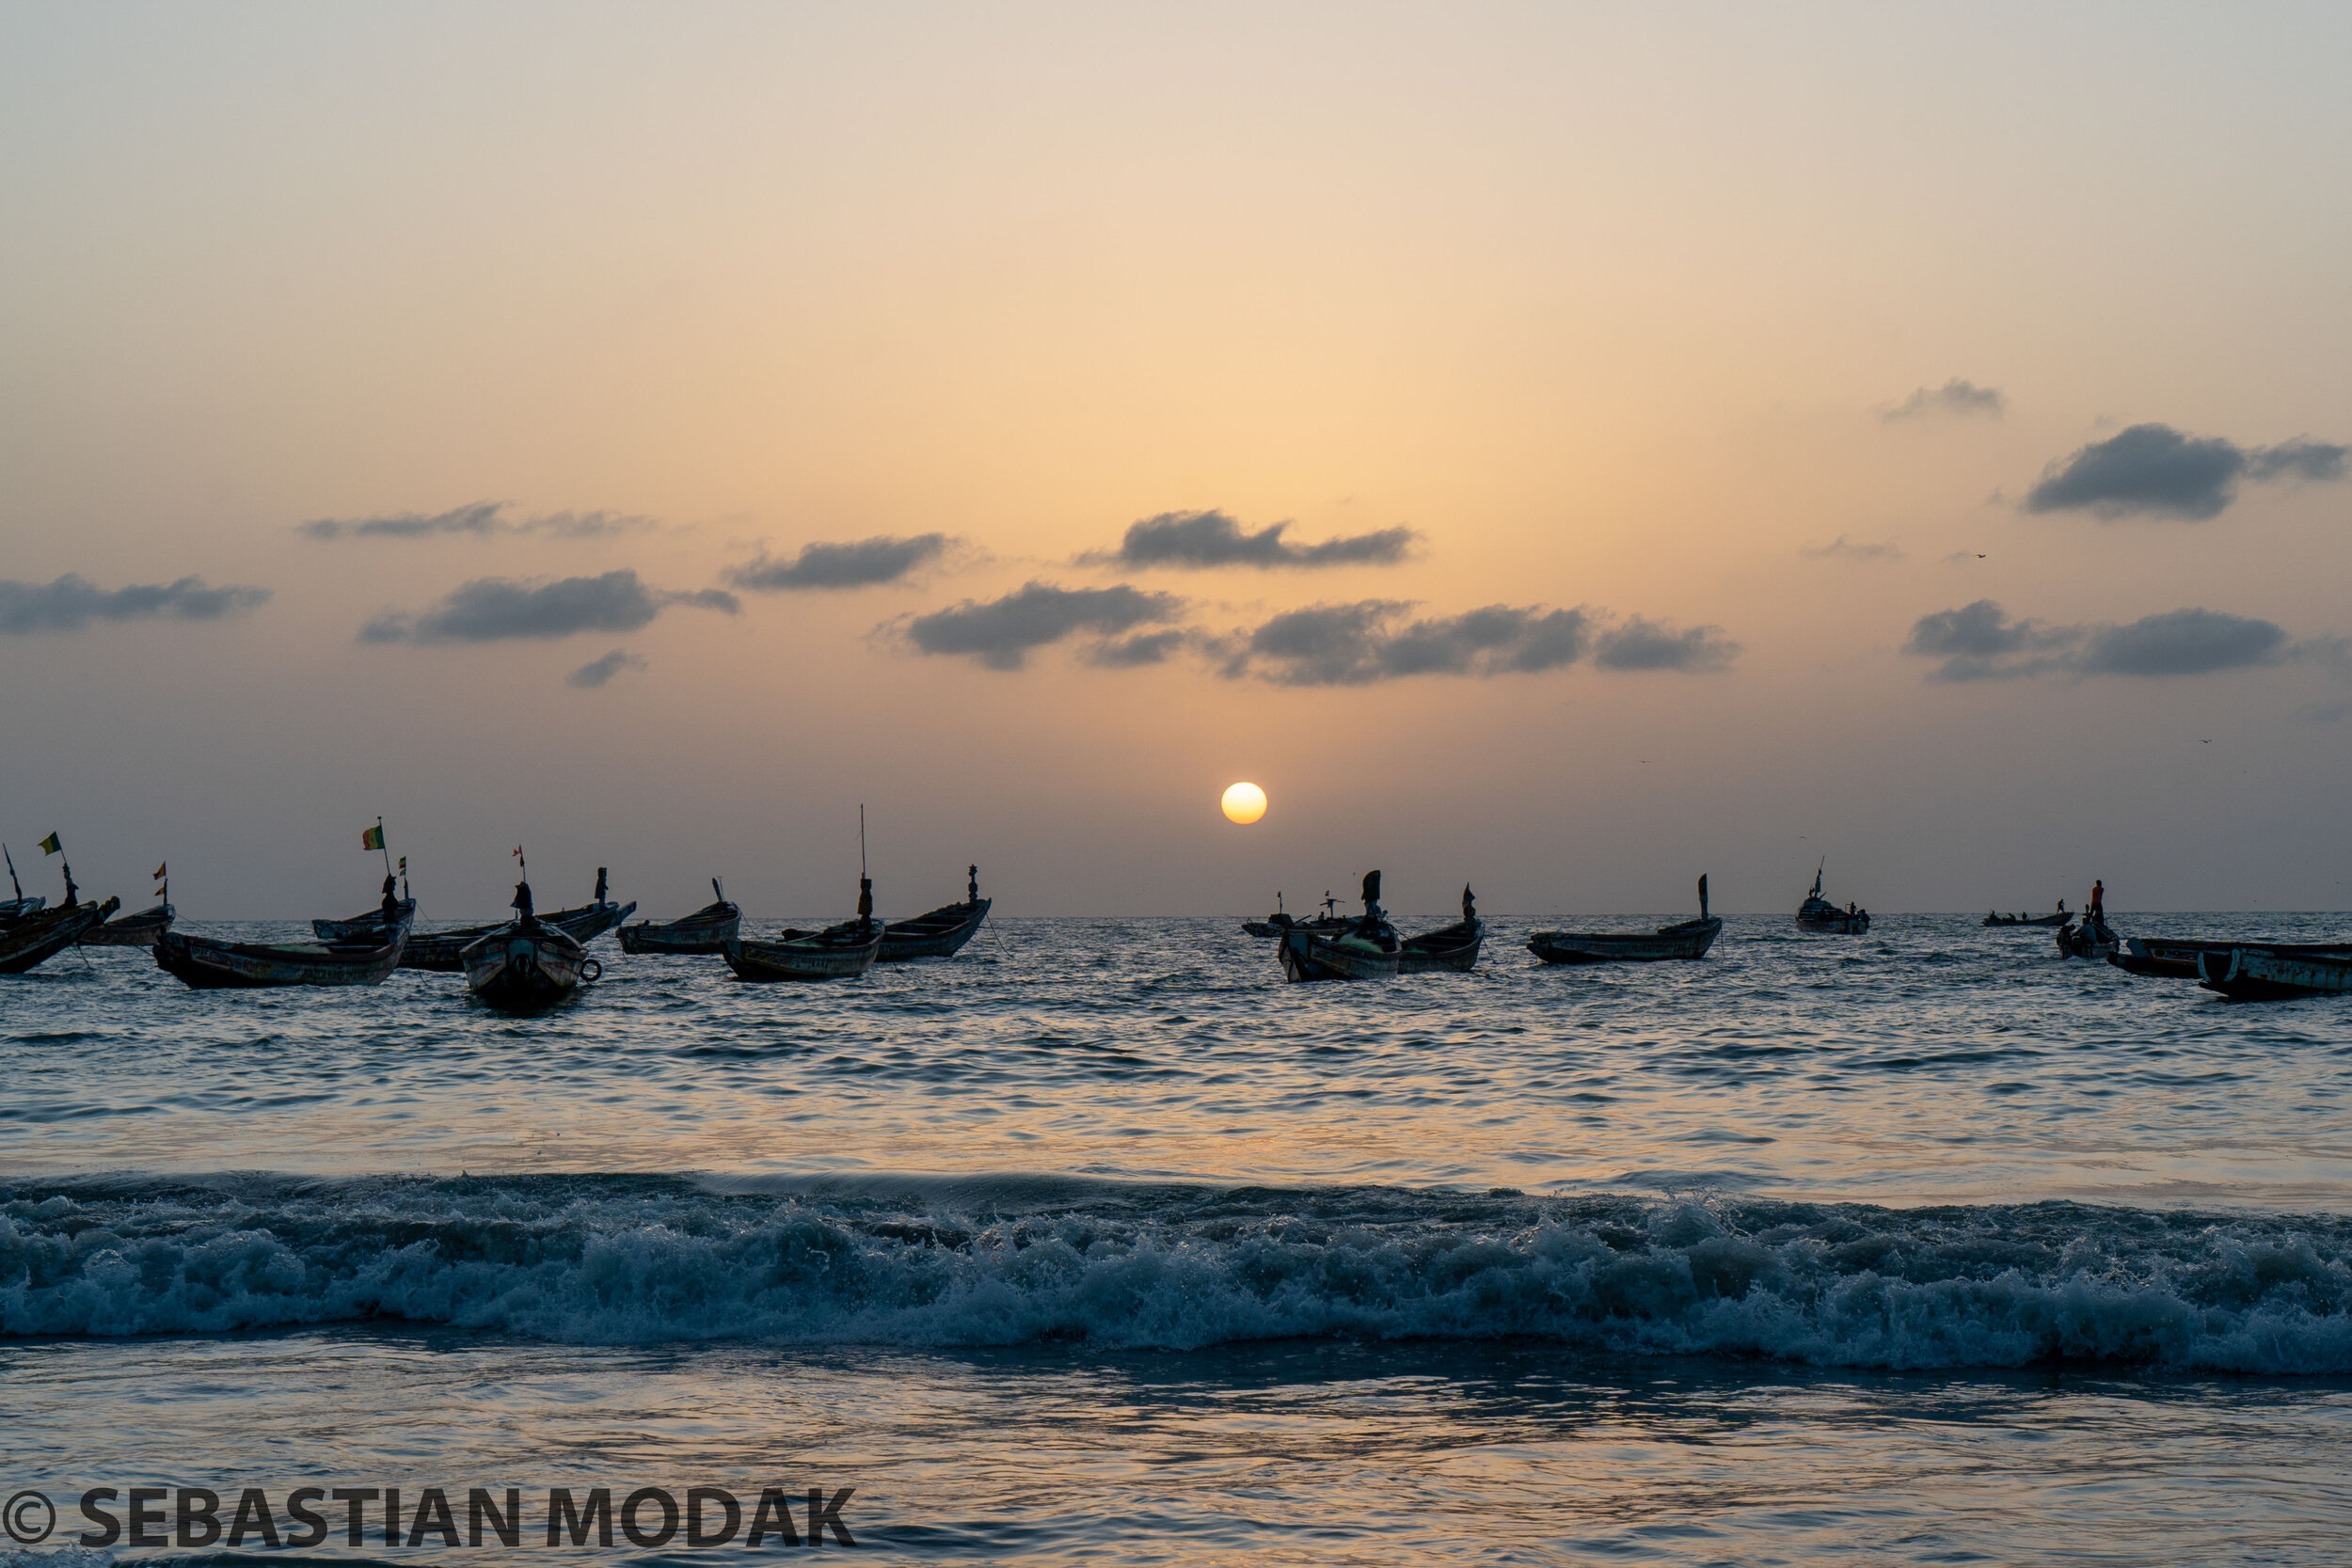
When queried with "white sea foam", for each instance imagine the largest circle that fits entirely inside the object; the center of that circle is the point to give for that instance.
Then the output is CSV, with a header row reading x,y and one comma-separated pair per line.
x,y
630,1260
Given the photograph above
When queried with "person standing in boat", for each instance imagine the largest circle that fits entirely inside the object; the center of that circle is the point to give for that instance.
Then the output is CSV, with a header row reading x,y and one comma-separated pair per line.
x,y
2098,900
1469,905
522,905
392,903
866,903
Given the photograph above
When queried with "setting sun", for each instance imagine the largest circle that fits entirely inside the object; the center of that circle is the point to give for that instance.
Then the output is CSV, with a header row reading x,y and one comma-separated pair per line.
x,y
1245,803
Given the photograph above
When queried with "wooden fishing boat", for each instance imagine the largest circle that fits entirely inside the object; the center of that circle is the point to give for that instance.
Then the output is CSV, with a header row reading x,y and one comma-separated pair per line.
x,y
2060,918
36,938
1819,915
836,953
939,934
372,926
1282,920
18,906
2093,939
444,952
526,965
1688,938
1366,948
1451,947
2176,957
707,930
2266,975
208,964
134,930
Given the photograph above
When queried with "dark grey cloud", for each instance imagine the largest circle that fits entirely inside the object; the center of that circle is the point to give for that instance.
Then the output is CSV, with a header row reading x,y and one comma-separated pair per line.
x,y
1144,647
491,610
1841,548
1203,539
860,563
598,672
1642,644
1000,633
480,520
1354,645
2182,643
1978,642
73,602
1954,397
2154,471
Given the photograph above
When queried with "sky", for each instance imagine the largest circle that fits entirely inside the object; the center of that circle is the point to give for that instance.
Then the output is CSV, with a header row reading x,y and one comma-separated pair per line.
x,y
1562,447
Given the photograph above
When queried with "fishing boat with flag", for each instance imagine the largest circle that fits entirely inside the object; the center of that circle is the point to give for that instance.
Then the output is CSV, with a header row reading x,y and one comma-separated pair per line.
x,y
40,934
1366,948
1819,915
141,929
444,952
526,964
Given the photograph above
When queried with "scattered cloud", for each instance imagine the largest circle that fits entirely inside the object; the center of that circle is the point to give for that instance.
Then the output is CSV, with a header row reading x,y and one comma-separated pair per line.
x,y
598,671
1978,642
2154,471
1001,633
859,563
1643,644
480,520
1954,397
491,610
1840,549
1144,647
73,602
1204,539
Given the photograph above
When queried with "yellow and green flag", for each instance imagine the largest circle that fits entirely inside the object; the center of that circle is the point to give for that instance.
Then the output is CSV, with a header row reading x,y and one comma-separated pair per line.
x,y
373,838
161,869
51,845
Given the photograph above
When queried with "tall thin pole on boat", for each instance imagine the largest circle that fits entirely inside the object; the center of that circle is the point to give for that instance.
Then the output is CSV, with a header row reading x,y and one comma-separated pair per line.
x,y
380,844
12,881
861,839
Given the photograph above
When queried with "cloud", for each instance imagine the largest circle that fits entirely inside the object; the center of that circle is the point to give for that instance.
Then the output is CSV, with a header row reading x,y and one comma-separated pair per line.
x,y
1144,647
861,563
1354,645
491,610
1954,397
1203,539
1642,644
481,520
2154,469
72,602
598,672
1841,549
1000,633
2184,642
1978,642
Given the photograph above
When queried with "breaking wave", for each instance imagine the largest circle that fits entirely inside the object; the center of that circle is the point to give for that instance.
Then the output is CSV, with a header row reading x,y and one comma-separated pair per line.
x,y
622,1259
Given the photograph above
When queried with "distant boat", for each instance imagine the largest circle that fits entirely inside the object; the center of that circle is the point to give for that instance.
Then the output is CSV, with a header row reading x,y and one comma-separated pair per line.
x,y
1817,914
2176,957
1366,948
370,926
1282,920
940,933
135,931
707,930
836,953
1688,938
1451,947
444,952
527,963
33,939
2267,975
1996,918
207,964
2093,939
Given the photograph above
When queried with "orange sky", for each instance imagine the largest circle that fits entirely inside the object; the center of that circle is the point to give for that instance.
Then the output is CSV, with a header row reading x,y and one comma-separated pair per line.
x,y
1611,311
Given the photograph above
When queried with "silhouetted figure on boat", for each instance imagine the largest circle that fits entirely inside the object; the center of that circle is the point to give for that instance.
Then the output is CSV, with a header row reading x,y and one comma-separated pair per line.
x,y
522,901
1470,904
865,902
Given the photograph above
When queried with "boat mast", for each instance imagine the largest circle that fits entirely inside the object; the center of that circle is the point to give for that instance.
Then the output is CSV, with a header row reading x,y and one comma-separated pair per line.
x,y
12,881
380,844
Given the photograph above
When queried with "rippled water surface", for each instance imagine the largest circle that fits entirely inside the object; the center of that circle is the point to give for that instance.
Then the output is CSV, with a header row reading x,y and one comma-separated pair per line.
x,y
1102,1242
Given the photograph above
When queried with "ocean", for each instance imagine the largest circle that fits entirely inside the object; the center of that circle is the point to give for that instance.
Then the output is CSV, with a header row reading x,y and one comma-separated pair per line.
x,y
1101,1243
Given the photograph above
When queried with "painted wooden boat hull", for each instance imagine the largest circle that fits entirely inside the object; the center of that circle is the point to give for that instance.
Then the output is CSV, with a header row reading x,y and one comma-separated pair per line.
x,y
1311,956
801,956
1688,940
368,927
2176,958
707,930
206,965
2003,920
523,967
1276,928
132,930
2259,975
444,952
940,934
17,908
1450,949
38,936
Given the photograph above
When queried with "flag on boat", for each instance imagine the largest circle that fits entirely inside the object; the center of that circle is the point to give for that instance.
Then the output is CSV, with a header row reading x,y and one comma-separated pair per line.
x,y
403,865
373,838
161,869
50,846
518,851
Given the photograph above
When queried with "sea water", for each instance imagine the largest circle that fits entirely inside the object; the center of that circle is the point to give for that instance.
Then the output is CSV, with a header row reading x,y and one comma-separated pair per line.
x,y
1102,1243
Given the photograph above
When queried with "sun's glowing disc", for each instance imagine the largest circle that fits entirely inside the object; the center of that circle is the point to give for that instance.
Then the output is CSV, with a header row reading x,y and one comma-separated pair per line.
x,y
1245,803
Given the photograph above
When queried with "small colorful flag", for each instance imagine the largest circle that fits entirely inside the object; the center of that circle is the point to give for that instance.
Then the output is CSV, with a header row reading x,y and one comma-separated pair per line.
x,y
518,851
161,869
50,846
403,865
373,838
